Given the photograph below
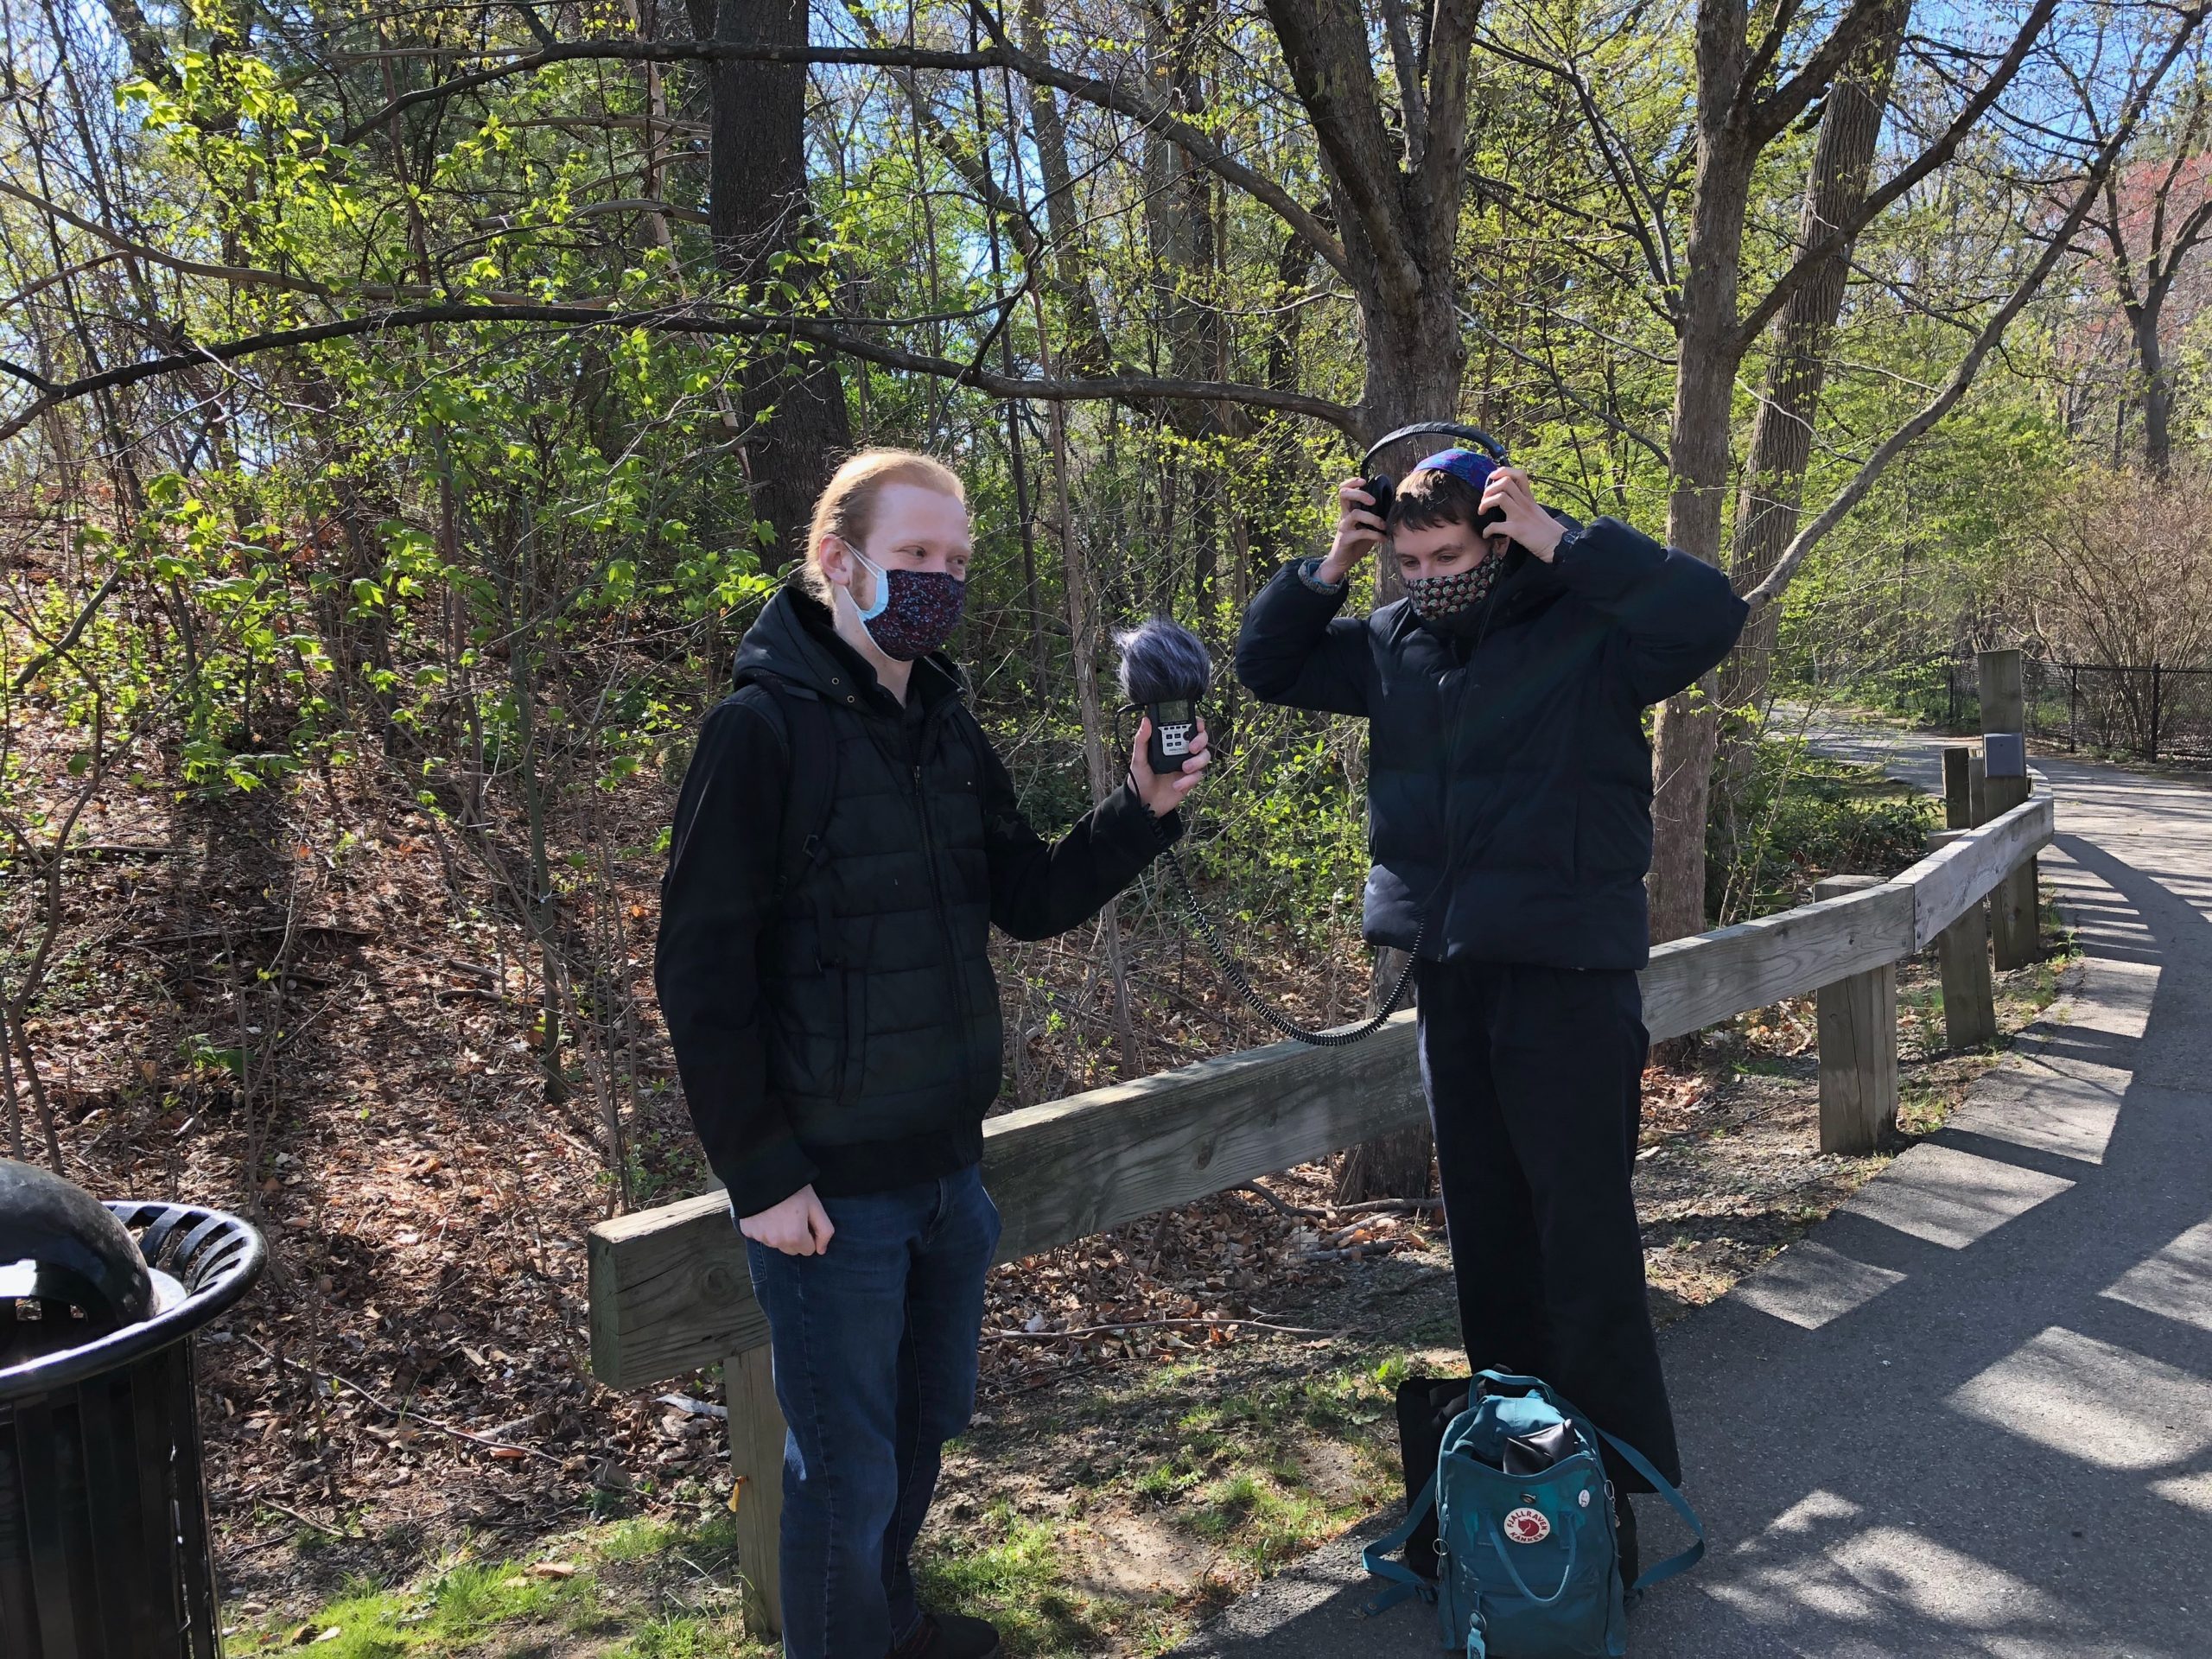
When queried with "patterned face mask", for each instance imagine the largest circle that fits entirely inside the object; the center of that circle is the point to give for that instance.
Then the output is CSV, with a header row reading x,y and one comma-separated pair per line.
x,y
915,611
1433,597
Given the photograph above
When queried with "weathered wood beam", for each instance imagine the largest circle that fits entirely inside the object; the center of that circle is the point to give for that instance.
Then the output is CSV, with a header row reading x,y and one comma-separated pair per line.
x,y
2014,922
1857,1020
756,1432
1695,983
670,1291
1962,953
1967,868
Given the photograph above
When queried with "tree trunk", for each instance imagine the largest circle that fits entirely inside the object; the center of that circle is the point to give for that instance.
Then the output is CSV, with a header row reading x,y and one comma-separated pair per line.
x,y
2157,388
1394,1165
1416,360
1083,640
759,208
1087,351
1689,727
1771,497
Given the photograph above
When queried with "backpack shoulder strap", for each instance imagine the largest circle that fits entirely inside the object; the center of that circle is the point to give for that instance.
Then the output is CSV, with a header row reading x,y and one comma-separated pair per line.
x,y
1674,1564
1404,1581
810,781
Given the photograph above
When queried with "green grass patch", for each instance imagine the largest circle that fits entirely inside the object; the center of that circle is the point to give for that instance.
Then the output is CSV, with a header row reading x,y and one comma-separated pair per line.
x,y
1225,1468
1017,1580
651,1588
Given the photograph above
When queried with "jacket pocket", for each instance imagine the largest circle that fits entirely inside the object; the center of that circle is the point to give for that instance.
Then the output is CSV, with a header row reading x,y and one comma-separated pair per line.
x,y
852,1042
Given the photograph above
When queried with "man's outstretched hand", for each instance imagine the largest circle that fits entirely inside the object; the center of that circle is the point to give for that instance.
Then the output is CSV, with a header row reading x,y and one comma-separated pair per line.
x,y
797,1226
1164,795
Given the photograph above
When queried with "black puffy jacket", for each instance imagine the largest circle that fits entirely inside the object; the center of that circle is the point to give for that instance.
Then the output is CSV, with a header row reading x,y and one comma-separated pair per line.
x,y
842,1028
1508,792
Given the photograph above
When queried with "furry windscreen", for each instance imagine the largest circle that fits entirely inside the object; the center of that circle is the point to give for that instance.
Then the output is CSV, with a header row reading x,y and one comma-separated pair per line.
x,y
1162,660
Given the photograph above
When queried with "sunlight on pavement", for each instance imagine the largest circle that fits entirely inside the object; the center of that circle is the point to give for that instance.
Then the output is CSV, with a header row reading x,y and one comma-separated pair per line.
x,y
2068,1111
1953,1197
2191,1492
2175,1282
1808,1284
1815,1562
2106,1405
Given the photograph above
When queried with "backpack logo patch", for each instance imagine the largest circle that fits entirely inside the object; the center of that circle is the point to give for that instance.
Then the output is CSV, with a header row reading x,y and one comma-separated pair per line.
x,y
1526,1526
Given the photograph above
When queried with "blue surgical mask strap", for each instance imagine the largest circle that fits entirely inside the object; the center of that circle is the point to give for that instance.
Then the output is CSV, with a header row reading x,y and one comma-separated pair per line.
x,y
883,587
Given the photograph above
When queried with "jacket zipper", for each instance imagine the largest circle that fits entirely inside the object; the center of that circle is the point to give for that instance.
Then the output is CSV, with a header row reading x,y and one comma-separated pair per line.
x,y
936,893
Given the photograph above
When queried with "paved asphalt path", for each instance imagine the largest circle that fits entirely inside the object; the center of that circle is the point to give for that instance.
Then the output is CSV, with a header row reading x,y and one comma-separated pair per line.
x,y
1971,1413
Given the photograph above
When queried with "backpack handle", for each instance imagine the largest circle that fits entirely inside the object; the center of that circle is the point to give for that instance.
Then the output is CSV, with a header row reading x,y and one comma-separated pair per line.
x,y
1505,1556
1509,1383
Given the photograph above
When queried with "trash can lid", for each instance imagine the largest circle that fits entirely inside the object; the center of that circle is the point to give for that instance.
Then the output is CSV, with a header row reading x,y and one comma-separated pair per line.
x,y
194,1262
59,1243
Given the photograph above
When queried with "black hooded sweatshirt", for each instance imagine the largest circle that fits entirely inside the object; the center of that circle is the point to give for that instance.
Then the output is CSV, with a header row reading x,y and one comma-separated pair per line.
x,y
1508,792
843,1029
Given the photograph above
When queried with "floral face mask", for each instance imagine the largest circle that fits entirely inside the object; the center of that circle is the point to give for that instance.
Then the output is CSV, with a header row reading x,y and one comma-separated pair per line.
x,y
915,611
1433,597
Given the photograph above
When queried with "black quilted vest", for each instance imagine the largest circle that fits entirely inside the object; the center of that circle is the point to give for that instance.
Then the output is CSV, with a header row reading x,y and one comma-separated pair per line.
x,y
882,1016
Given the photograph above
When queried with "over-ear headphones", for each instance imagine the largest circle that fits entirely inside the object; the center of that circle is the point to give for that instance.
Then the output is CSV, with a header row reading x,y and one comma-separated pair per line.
x,y
1380,486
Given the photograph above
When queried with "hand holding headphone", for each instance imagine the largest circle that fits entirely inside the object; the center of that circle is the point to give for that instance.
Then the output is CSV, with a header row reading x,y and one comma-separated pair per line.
x,y
1381,490
1359,530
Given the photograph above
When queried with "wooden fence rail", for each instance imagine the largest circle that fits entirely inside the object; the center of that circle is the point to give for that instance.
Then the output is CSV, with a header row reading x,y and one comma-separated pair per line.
x,y
669,1290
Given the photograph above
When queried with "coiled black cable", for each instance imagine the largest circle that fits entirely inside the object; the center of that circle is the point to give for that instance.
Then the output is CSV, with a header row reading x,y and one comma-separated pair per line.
x,y
1343,1038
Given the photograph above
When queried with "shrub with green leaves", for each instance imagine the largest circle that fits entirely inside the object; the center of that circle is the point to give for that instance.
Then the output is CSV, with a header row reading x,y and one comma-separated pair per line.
x,y
1795,817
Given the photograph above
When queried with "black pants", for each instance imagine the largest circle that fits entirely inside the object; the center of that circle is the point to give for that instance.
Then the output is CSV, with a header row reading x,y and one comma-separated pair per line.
x,y
1534,1077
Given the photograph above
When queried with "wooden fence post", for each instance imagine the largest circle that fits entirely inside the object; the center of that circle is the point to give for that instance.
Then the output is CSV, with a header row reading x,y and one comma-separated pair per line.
x,y
1962,953
1958,797
2013,919
756,1465
1857,1026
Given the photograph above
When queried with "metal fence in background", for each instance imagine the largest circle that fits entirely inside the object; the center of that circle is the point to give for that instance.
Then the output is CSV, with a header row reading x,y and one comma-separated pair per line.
x,y
2155,713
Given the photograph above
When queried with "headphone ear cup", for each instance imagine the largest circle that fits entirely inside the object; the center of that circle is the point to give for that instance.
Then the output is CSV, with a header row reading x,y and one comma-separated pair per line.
x,y
1383,492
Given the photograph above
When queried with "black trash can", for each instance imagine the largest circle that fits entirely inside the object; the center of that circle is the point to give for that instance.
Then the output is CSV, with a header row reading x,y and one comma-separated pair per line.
x,y
104,1541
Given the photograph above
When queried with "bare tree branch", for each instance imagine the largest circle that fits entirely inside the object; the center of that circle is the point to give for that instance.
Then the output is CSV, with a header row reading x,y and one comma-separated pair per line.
x,y
1412,106
1879,201
1649,234
1106,94
2060,241
1440,174
1635,435
1130,388
1767,116
1325,46
252,276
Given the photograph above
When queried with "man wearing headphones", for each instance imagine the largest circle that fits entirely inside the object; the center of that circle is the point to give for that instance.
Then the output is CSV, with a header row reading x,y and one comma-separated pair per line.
x,y
1510,810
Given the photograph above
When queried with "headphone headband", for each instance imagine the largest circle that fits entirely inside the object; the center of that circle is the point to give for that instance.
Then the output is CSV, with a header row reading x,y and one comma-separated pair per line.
x,y
1474,435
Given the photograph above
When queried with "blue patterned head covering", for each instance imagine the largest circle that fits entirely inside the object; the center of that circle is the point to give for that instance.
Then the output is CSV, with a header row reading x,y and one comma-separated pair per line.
x,y
1471,466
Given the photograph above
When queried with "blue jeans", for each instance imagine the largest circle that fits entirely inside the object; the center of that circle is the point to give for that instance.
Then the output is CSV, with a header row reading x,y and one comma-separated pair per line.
x,y
874,1346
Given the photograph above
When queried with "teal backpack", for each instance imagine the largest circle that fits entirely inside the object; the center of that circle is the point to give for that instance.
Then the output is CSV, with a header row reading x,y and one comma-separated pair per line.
x,y
1529,1566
